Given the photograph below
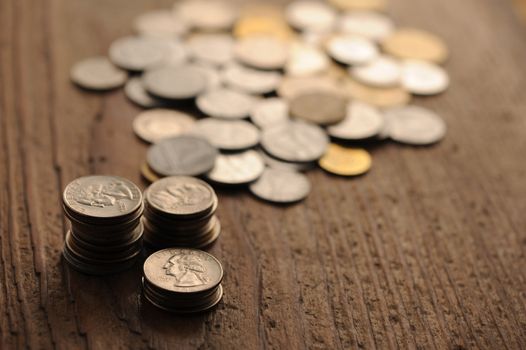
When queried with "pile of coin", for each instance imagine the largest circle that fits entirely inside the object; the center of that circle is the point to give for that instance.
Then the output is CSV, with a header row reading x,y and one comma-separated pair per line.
x,y
106,230
180,212
281,88
182,280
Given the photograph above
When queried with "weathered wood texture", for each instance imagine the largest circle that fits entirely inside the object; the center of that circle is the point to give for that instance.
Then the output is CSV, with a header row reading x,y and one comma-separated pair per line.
x,y
426,251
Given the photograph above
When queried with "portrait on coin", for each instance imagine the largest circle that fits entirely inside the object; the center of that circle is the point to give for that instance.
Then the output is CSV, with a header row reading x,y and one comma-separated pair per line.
x,y
187,270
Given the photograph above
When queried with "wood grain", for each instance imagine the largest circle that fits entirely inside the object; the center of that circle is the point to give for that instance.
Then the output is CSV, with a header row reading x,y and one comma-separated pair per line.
x,y
426,251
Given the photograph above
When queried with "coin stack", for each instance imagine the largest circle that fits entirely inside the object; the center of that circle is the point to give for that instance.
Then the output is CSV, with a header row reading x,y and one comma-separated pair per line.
x,y
105,234
180,212
182,280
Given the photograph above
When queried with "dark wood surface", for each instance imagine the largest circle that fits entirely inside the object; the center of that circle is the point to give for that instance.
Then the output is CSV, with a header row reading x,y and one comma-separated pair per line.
x,y
426,251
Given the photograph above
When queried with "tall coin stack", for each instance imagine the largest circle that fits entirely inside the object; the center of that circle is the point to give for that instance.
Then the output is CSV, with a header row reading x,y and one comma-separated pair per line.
x,y
182,280
180,212
106,230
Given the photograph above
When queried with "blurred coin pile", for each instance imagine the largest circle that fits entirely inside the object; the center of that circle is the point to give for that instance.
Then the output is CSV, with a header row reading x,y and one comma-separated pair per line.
x,y
182,280
256,94
106,230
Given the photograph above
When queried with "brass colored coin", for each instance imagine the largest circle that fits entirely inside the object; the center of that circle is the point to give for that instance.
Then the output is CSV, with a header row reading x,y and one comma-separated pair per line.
x,y
319,107
148,173
345,161
409,43
380,97
260,25
373,5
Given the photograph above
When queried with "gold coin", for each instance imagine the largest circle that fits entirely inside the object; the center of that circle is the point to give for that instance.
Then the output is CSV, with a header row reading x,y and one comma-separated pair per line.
x,y
261,25
365,5
345,161
409,43
377,96
148,173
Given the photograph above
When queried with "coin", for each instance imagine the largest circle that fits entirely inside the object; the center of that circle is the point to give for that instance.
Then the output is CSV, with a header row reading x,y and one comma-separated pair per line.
x,y
250,80
183,270
160,23
305,59
148,173
206,15
310,15
102,196
228,135
380,97
383,71
371,25
275,163
345,161
213,78
281,186
180,196
176,52
291,87
409,43
136,93
181,155
362,121
415,125
237,168
423,78
174,82
295,141
225,103
262,52
137,53
97,73
351,49
319,107
157,124
352,5
214,49
257,25
269,112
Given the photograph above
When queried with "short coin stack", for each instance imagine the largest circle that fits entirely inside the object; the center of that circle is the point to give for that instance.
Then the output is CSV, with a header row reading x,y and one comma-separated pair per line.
x,y
182,280
180,212
106,231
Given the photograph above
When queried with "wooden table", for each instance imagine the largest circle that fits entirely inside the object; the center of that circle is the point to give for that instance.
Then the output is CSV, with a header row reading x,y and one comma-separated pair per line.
x,y
426,251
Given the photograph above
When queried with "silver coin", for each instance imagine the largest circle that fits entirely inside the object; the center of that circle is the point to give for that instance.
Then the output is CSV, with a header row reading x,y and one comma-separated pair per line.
x,y
137,53
310,15
295,141
225,103
157,124
291,87
262,52
214,49
182,155
362,121
174,82
424,78
250,80
182,196
228,135
372,25
207,15
281,186
415,125
269,112
305,59
176,52
212,75
352,49
136,93
237,168
97,73
383,71
102,196
275,163
160,23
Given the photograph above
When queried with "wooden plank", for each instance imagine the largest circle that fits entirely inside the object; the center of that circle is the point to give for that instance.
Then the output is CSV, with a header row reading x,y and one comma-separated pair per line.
x,y
426,251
